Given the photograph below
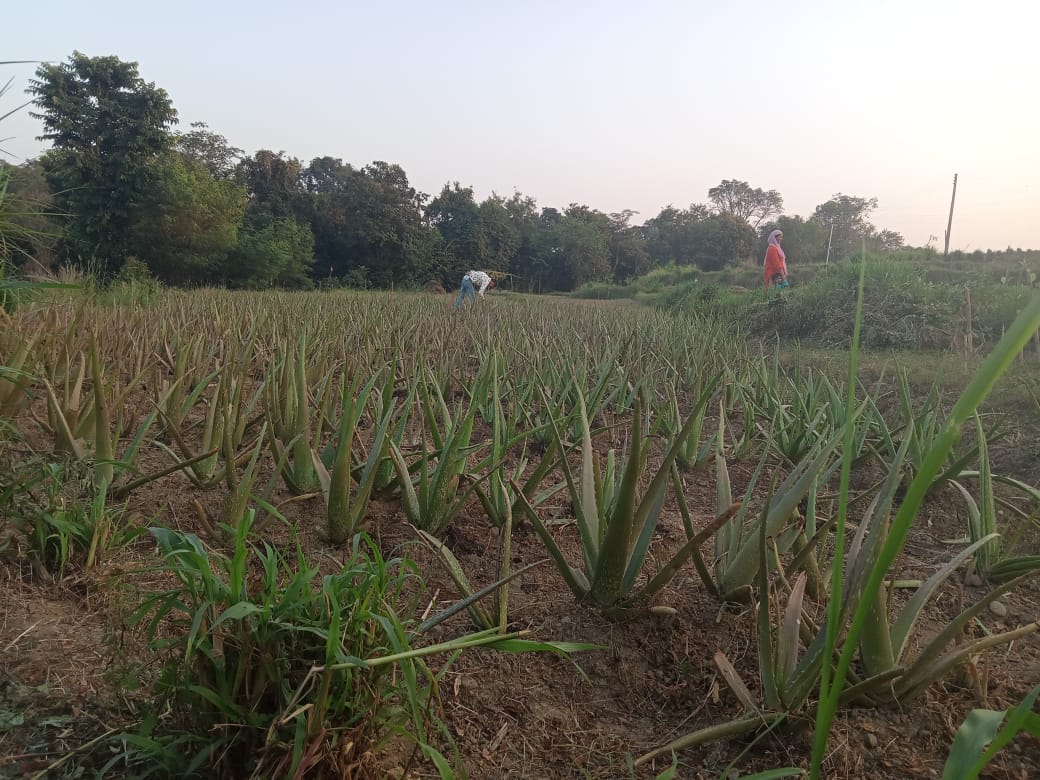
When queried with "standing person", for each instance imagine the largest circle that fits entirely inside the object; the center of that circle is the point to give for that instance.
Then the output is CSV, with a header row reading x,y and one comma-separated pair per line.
x,y
473,278
776,261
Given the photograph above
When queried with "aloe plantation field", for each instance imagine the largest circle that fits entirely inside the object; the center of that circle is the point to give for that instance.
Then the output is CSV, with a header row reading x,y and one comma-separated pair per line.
x,y
362,535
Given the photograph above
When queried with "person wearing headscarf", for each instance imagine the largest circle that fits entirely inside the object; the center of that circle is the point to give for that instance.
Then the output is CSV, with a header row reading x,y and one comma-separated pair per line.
x,y
473,282
776,261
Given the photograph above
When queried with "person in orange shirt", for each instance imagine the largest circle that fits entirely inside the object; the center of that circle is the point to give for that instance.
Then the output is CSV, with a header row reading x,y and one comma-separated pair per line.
x,y
776,261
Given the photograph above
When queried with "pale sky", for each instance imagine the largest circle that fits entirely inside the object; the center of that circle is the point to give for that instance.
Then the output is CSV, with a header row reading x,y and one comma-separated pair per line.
x,y
616,105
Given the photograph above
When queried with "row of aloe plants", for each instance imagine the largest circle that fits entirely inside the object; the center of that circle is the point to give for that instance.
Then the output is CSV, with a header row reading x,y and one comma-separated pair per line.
x,y
350,423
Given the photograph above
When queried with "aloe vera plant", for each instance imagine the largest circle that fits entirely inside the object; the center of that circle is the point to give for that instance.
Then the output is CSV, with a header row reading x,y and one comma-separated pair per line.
x,y
861,620
792,647
288,407
345,508
696,450
229,412
736,563
15,380
614,523
994,559
431,487
497,495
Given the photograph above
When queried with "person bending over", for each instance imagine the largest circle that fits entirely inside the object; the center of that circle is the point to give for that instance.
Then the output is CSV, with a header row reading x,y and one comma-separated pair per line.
x,y
473,282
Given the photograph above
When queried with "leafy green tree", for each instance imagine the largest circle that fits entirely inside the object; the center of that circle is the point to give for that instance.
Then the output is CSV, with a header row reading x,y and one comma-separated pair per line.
x,y
272,181
274,252
668,235
751,204
498,238
849,217
107,126
884,241
187,223
201,145
367,223
628,255
537,265
583,240
526,260
721,240
456,216
325,174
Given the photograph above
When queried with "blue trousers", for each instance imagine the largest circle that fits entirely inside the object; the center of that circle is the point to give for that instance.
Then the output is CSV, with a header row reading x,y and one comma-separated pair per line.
x,y
467,290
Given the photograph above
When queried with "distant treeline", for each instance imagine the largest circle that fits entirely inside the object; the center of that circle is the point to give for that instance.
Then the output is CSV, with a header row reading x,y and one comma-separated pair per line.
x,y
119,184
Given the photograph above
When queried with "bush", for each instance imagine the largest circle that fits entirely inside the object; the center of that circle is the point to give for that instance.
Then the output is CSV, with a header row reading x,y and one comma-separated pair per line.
x,y
900,308
604,291
253,649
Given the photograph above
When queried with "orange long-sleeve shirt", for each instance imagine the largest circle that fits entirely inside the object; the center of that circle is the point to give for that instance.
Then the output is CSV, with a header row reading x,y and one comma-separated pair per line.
x,y
775,264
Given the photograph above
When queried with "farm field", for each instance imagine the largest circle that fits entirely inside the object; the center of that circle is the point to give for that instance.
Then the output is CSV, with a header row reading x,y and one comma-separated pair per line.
x,y
237,529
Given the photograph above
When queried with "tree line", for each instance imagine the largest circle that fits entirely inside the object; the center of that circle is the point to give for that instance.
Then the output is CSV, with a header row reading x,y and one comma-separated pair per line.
x,y
120,185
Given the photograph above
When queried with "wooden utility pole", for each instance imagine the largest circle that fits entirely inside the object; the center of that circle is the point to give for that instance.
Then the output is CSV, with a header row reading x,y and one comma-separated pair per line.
x,y
949,223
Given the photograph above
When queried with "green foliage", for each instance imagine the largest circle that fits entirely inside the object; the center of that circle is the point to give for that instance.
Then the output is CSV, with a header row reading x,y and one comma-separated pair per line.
x,y
278,253
862,620
430,485
367,225
892,539
805,241
345,508
249,646
107,126
201,146
605,291
900,309
614,522
719,241
750,205
985,733
271,669
849,217
61,521
187,222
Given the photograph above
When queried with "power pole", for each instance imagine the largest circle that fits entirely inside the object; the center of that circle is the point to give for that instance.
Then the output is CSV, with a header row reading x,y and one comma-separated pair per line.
x,y
829,238
949,224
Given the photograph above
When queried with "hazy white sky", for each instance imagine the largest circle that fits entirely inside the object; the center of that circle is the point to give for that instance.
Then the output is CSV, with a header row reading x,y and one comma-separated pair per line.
x,y
615,105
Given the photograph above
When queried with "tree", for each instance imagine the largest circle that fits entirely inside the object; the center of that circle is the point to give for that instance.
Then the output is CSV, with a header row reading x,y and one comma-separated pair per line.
x,y
400,246
272,182
210,149
668,235
848,215
499,237
629,257
721,240
753,205
367,224
527,262
273,253
884,241
325,174
107,126
187,223
456,216
583,238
